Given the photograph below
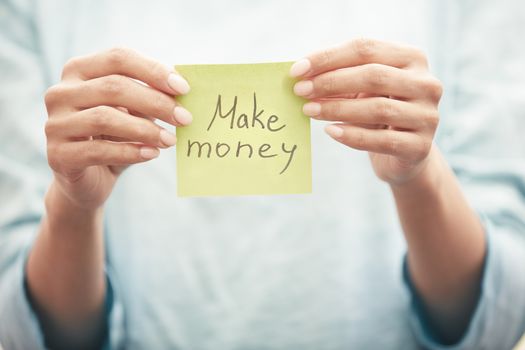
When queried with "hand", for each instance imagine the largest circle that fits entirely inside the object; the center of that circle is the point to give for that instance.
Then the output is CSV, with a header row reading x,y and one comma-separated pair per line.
x,y
383,99
101,120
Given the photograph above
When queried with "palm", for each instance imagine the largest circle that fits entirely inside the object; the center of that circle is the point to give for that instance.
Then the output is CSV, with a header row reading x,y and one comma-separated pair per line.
x,y
92,186
393,170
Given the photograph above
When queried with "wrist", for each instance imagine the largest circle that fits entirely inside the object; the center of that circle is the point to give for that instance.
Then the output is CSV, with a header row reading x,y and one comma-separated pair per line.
x,y
61,213
428,178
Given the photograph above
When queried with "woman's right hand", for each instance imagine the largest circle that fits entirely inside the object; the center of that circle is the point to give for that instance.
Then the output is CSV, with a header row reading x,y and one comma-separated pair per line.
x,y
101,120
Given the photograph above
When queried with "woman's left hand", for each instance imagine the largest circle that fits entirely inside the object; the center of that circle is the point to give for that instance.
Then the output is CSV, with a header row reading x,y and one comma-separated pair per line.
x,y
381,96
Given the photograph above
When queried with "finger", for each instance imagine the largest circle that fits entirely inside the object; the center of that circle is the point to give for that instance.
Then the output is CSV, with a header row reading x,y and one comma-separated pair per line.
x,y
135,113
112,138
141,115
118,90
109,122
358,52
401,144
82,154
126,62
373,79
375,111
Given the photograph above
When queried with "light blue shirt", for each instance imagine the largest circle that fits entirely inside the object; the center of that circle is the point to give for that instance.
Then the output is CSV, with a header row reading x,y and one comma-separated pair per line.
x,y
317,271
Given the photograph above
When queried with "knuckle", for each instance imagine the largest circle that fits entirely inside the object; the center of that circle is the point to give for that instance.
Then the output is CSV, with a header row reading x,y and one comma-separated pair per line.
x,y
326,57
392,145
385,110
91,152
55,156
50,128
71,66
118,55
360,140
420,56
332,109
376,75
422,148
128,153
144,132
101,116
158,70
326,84
431,119
112,85
161,103
54,95
433,87
53,162
364,48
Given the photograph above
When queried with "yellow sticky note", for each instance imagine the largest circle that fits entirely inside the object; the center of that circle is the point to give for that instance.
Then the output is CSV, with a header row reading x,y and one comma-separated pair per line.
x,y
248,135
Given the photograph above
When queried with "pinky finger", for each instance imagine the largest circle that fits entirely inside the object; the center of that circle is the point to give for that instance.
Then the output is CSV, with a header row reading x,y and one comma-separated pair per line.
x,y
400,144
82,154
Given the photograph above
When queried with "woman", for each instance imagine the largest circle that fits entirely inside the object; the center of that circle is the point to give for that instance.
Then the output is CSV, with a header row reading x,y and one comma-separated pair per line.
x,y
113,258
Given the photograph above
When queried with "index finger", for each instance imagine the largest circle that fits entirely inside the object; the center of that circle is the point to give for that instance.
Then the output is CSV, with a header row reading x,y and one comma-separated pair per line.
x,y
127,62
358,52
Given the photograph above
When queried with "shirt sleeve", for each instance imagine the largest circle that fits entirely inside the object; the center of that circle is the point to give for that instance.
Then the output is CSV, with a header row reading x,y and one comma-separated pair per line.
x,y
483,121
498,320
25,176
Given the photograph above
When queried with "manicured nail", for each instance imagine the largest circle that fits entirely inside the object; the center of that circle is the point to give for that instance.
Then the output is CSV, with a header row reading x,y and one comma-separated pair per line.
x,y
178,83
312,109
167,138
334,130
300,67
182,115
303,88
149,152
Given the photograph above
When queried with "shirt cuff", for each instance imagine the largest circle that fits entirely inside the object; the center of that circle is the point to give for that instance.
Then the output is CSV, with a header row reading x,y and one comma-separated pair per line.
x,y
498,319
19,325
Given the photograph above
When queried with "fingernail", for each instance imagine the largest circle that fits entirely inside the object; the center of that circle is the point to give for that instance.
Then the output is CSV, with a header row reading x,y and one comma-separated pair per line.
x,y
167,138
149,152
312,109
300,67
182,115
178,83
334,131
303,88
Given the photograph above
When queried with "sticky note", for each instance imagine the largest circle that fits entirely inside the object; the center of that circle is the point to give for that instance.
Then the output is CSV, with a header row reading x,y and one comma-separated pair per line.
x,y
248,135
